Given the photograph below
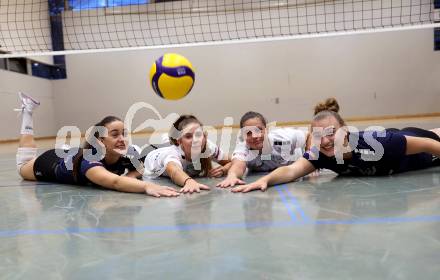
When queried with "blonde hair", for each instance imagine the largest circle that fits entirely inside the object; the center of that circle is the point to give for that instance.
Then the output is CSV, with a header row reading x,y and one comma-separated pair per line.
x,y
330,104
327,108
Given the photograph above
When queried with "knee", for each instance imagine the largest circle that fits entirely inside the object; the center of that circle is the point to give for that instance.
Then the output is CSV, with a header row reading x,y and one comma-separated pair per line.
x,y
24,155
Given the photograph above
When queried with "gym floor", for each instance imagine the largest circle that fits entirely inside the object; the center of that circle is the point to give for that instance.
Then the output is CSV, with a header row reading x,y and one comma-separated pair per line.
x,y
321,227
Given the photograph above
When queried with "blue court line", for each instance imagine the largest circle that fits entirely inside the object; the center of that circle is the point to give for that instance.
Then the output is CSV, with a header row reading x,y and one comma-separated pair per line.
x,y
190,227
286,203
296,204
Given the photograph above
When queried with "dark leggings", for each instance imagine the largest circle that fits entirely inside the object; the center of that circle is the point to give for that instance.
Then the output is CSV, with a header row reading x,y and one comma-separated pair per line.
x,y
45,166
418,132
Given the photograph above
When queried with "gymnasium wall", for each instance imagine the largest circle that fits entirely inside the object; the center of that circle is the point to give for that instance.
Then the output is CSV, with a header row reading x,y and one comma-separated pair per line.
x,y
25,24
390,73
41,89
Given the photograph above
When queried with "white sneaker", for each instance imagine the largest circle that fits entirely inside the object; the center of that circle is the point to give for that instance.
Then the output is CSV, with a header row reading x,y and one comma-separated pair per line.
x,y
28,104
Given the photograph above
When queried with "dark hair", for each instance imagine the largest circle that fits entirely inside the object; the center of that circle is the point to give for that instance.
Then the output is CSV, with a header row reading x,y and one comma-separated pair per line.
x,y
251,115
174,134
330,107
178,126
86,145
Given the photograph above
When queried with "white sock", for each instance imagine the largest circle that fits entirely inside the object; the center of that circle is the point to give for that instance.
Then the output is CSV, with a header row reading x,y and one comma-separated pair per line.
x,y
27,123
24,155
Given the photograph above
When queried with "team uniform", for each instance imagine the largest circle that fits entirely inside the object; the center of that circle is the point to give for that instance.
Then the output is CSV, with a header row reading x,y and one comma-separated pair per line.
x,y
157,160
365,161
51,168
287,145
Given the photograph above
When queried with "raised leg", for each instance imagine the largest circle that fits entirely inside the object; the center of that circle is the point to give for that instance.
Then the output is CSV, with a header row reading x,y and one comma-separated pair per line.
x,y
27,149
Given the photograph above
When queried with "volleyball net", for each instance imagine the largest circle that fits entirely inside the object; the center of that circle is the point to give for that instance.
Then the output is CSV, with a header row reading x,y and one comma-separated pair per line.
x,y
29,27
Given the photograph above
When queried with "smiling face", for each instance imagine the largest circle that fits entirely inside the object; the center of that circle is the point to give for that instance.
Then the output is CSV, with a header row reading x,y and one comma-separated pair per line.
x,y
192,139
253,132
116,141
326,128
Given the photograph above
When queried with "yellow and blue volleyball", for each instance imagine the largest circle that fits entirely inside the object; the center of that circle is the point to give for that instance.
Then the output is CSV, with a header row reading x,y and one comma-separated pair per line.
x,y
172,76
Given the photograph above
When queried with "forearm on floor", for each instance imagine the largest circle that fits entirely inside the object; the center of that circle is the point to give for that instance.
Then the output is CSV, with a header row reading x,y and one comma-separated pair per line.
x,y
237,170
176,174
129,184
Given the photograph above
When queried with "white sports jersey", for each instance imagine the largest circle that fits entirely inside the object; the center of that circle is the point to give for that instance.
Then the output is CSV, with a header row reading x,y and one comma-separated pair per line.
x,y
157,160
287,145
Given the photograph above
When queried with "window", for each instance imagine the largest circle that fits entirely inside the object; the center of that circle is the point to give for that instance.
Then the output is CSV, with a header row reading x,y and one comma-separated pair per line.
x,y
78,5
46,71
18,65
35,68
2,63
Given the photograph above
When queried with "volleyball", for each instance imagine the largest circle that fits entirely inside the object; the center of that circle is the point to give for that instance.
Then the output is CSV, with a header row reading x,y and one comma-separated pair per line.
x,y
172,76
